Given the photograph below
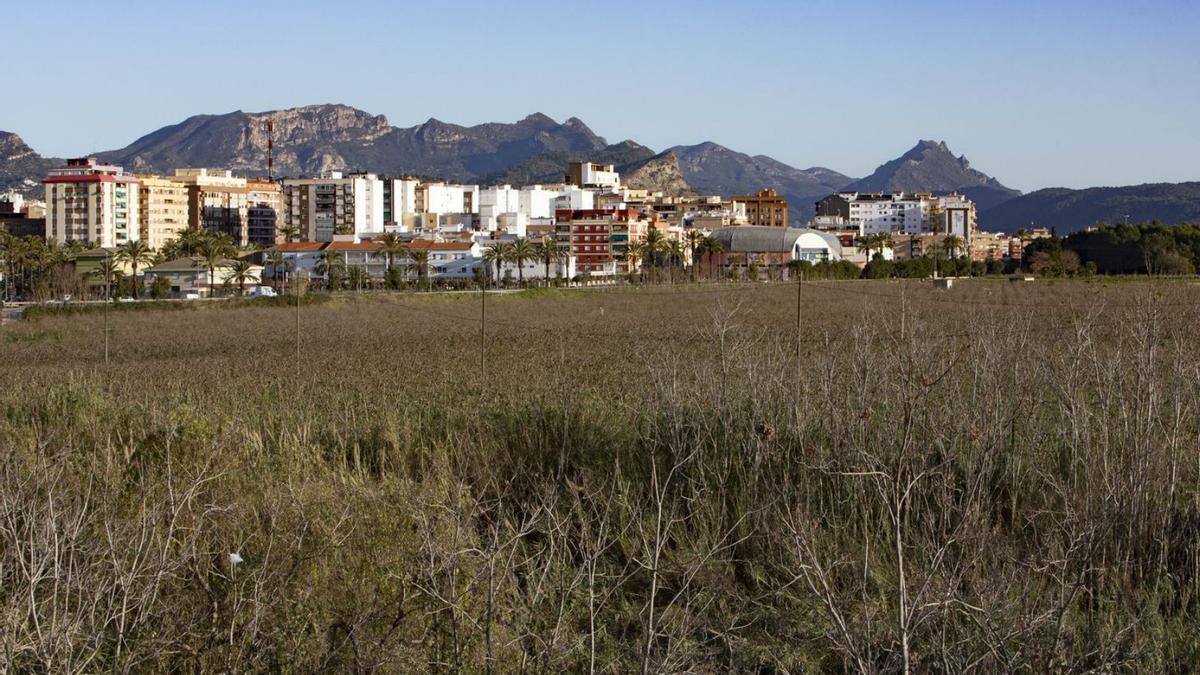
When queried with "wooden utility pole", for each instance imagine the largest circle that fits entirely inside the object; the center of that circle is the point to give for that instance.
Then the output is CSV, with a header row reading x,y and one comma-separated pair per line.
x,y
107,298
483,328
799,316
297,290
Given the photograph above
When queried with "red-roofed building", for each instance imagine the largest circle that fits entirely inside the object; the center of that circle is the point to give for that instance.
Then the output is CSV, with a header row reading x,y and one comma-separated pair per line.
x,y
91,202
449,259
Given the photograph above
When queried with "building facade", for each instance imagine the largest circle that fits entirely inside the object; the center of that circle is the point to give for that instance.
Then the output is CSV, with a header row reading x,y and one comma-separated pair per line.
x,y
163,210
596,176
333,204
901,213
765,207
216,202
264,211
91,202
599,238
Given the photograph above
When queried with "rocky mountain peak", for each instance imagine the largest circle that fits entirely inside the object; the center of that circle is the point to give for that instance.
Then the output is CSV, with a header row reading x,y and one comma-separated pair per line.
x,y
659,173
12,148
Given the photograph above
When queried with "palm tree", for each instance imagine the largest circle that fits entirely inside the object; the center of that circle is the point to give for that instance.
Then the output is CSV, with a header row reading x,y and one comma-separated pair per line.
x,y
288,232
674,250
9,246
135,253
358,277
278,265
329,263
693,237
710,247
634,251
210,252
496,255
420,260
549,252
110,272
186,244
393,246
520,252
952,243
652,245
239,273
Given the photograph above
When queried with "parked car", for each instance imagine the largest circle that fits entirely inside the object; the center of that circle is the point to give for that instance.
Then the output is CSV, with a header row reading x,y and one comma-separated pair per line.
x,y
191,295
261,292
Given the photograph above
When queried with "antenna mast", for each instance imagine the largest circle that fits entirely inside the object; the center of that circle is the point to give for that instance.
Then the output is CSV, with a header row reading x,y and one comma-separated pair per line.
x,y
270,149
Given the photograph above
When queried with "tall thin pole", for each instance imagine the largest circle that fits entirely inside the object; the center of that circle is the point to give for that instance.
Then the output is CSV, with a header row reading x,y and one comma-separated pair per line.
x,y
270,151
297,290
483,328
799,316
107,297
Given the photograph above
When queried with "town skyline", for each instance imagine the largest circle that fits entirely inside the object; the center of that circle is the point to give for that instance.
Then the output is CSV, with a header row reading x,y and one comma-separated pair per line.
x,y
1041,97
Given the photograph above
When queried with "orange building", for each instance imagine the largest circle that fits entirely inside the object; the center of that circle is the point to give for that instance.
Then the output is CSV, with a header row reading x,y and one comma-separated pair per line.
x,y
765,207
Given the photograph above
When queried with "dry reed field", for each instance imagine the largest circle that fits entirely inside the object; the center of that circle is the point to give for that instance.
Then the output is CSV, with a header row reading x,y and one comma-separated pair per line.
x,y
1000,477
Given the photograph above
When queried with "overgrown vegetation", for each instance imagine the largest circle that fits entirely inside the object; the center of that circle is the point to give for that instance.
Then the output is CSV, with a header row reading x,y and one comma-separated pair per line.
x,y
1000,478
1151,248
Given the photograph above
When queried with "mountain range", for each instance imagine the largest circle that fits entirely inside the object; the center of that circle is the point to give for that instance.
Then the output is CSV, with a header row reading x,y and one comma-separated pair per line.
x,y
931,167
1069,210
536,149
21,169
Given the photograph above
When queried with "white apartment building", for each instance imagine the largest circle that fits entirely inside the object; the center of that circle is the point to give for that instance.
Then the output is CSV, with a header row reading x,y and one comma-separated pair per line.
x,y
954,214
91,202
899,213
587,174
506,207
445,198
400,203
334,204
571,198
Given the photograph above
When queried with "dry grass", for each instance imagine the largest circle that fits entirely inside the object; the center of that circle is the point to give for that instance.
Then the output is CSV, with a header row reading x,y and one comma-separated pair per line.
x,y
999,477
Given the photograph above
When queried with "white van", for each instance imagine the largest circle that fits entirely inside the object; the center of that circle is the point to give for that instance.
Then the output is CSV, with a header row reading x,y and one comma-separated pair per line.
x,y
261,292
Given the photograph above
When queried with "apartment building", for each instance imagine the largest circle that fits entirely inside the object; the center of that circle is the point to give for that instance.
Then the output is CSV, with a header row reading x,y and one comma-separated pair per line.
x,y
264,211
899,213
216,202
596,176
704,213
599,238
765,207
91,202
447,198
952,214
163,210
502,205
11,204
400,203
334,204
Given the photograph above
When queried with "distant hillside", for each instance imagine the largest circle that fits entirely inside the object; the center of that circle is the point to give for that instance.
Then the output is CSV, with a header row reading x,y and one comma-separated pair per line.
x,y
660,173
318,138
714,169
1072,210
930,167
551,167
21,168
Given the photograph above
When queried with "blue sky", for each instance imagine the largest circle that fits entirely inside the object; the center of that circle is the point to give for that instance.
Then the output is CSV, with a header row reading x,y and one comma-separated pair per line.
x,y
1037,94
